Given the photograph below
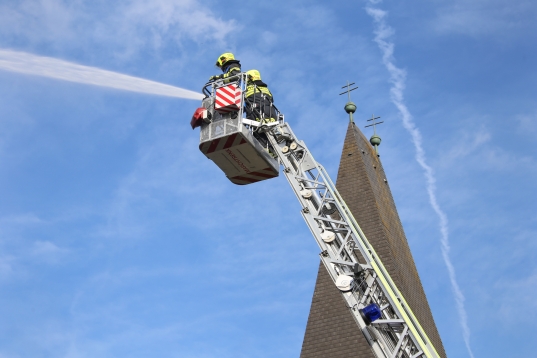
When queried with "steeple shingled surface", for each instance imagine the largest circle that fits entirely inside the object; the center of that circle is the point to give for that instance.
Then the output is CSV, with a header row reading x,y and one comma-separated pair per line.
x,y
361,181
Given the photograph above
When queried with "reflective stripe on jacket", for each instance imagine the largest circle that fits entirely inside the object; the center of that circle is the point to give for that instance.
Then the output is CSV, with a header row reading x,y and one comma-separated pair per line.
x,y
231,68
256,87
234,70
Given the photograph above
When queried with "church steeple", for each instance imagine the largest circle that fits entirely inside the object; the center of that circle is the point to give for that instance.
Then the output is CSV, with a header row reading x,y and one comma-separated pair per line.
x,y
362,183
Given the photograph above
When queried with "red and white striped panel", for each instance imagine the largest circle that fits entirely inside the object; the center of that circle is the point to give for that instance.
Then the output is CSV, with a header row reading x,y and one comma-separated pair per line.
x,y
253,177
221,143
227,99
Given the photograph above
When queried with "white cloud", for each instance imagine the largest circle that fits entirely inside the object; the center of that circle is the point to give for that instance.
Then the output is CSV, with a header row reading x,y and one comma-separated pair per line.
x,y
178,19
37,20
527,123
269,38
126,26
47,251
6,266
526,290
500,159
467,143
477,148
21,219
20,250
484,17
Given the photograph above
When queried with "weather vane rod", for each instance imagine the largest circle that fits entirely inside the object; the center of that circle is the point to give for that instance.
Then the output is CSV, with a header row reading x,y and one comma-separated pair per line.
x,y
374,124
350,107
348,91
375,139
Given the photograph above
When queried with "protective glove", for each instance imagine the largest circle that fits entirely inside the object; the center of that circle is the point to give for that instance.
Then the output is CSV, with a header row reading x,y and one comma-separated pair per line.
x,y
214,78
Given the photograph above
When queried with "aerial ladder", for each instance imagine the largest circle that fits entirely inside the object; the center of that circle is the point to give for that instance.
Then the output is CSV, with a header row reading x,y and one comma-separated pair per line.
x,y
248,151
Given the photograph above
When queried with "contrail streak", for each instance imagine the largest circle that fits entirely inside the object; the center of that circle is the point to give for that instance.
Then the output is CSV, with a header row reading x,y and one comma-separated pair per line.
x,y
398,76
26,63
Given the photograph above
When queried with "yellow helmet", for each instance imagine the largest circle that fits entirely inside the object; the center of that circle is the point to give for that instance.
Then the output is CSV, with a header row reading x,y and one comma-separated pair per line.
x,y
254,75
223,58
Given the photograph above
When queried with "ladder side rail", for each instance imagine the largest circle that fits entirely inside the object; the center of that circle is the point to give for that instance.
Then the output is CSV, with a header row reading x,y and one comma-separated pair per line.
x,y
389,285
305,173
394,296
309,207
315,230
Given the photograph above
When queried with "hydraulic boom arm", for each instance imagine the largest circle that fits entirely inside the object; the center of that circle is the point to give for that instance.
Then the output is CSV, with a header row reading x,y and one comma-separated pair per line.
x,y
233,143
376,304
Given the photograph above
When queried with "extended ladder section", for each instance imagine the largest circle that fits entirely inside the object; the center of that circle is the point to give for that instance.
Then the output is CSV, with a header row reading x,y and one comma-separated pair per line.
x,y
376,304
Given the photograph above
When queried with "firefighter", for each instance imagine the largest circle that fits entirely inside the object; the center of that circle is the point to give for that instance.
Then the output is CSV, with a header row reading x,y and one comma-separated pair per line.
x,y
258,99
229,66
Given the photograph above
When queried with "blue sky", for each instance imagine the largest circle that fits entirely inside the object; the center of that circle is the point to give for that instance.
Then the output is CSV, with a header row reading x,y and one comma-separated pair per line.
x,y
119,238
